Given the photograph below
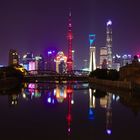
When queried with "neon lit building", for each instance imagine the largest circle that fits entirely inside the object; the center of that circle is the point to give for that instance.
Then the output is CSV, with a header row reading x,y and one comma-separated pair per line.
x,y
33,63
109,43
27,61
69,37
61,61
92,61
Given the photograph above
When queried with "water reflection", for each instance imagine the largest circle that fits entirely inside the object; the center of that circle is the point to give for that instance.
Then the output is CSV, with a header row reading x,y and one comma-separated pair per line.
x,y
109,114
65,93
69,112
91,104
105,102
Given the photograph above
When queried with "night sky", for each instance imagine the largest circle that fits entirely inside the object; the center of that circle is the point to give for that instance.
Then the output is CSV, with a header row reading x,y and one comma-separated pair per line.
x,y
36,25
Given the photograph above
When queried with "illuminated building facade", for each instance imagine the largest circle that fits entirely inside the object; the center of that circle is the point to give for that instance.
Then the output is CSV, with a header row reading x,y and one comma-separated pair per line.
x,y
109,43
118,61
32,63
39,62
61,62
13,57
69,37
103,57
92,61
28,61
50,61
126,59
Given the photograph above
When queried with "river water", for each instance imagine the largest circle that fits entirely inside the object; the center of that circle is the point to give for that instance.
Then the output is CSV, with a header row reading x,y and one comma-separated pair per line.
x,y
68,111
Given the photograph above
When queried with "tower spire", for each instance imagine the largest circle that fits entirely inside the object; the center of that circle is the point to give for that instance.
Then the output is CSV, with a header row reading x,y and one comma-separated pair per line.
x,y
69,37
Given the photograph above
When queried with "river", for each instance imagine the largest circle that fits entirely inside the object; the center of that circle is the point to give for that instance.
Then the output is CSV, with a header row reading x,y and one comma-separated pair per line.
x,y
68,111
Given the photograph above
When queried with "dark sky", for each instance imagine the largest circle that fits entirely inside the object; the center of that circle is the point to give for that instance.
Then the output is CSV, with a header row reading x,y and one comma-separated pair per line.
x,y
35,25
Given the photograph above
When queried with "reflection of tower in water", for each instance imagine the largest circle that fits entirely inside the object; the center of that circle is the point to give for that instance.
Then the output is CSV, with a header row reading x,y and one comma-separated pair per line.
x,y
70,102
109,114
91,104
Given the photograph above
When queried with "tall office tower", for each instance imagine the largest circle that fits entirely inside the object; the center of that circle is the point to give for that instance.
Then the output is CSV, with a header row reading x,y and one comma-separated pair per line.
x,y
109,43
69,37
103,57
92,61
13,57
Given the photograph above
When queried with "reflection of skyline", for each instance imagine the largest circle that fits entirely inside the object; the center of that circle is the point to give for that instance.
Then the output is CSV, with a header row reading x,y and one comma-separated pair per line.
x,y
109,114
94,109
91,104
69,114
105,102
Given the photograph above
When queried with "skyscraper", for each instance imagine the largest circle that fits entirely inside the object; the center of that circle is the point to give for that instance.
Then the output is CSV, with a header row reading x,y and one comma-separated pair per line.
x,y
92,61
109,43
13,57
103,57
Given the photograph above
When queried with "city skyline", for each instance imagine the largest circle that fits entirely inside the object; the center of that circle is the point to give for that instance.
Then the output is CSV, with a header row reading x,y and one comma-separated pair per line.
x,y
38,25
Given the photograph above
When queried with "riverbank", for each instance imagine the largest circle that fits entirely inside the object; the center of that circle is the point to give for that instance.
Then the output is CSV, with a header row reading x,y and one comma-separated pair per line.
x,y
123,85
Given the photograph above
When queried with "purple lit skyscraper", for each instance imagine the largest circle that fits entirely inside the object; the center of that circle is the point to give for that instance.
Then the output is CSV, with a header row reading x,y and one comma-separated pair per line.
x,y
109,43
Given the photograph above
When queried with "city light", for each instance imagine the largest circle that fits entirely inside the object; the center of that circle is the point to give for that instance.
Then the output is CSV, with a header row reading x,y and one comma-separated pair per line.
x,y
92,39
108,131
109,23
91,114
